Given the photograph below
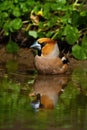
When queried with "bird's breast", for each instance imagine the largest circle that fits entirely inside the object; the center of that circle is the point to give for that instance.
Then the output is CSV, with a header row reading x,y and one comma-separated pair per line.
x,y
50,65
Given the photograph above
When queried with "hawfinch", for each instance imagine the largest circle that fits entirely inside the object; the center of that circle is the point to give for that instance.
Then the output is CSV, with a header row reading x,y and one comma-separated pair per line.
x,y
46,91
48,61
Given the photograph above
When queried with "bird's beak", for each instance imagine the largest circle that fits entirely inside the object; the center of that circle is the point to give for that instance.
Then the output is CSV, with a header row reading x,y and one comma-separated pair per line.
x,y
36,45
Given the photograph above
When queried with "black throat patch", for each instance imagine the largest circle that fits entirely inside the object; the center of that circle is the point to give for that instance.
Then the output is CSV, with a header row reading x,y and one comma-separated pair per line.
x,y
42,45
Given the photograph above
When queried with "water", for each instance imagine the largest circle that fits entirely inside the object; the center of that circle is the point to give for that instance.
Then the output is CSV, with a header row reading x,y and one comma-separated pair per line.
x,y
63,101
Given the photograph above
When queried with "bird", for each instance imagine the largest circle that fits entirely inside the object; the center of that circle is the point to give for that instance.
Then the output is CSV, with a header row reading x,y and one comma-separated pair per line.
x,y
46,90
36,104
47,61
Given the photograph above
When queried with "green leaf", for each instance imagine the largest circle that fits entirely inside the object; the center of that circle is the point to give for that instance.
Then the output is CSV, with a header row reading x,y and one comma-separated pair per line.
x,y
16,12
61,1
46,10
15,1
6,5
49,34
4,15
66,19
6,27
84,42
24,7
75,17
12,47
72,34
15,24
83,13
33,34
78,52
61,4
12,25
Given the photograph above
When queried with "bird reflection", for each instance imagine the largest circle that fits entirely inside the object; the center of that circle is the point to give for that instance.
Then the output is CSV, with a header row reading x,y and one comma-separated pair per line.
x,y
46,90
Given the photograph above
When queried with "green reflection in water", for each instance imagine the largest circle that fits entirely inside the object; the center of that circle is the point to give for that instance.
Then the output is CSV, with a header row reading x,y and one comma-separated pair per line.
x,y
11,66
12,103
70,112
72,106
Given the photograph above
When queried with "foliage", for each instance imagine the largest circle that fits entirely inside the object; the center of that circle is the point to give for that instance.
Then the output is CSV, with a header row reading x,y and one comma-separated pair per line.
x,y
58,19
12,102
75,93
80,52
12,47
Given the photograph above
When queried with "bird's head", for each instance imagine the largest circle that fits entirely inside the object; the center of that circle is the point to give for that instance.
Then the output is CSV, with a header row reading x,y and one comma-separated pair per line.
x,y
46,47
42,101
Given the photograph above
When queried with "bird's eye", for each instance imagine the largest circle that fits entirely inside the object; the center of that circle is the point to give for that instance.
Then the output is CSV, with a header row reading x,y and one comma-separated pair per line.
x,y
43,44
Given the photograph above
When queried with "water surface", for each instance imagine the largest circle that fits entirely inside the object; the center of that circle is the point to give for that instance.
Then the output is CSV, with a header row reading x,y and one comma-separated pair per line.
x,y
63,100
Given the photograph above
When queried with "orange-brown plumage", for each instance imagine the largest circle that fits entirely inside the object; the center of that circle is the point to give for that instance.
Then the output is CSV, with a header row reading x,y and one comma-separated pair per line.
x,y
48,40
48,47
48,62
50,65
49,87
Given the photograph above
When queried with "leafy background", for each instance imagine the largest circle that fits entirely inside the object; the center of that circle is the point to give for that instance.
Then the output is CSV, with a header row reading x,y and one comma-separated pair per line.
x,y
64,20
